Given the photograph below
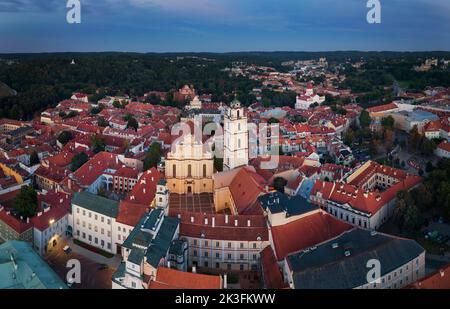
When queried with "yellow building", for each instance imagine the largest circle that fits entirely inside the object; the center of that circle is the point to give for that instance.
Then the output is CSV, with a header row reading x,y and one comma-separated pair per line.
x,y
189,167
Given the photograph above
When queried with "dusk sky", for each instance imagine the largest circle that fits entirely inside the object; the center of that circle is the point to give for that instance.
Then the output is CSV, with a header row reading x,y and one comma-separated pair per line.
x,y
223,25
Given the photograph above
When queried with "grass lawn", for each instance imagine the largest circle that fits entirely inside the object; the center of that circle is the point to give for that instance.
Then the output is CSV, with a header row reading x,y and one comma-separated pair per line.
x,y
93,249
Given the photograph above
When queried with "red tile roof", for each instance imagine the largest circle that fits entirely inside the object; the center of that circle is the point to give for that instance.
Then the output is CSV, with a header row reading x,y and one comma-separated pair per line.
x,y
131,213
433,126
174,279
245,189
306,232
382,108
444,146
59,206
273,278
195,225
437,280
144,190
16,224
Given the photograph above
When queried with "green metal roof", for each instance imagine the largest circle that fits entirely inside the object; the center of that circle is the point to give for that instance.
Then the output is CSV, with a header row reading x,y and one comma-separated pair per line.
x,y
22,268
96,203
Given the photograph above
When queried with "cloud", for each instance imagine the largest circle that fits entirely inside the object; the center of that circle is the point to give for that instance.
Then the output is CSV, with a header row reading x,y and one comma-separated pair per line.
x,y
30,5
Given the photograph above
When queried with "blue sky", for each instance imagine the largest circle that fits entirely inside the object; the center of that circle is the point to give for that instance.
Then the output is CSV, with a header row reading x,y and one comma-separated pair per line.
x,y
223,25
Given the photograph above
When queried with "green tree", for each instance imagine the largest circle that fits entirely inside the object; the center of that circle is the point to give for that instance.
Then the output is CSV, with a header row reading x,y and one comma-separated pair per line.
x,y
413,219
427,147
399,212
78,160
34,158
65,136
349,137
414,138
153,156
102,122
26,202
364,119
117,104
388,122
429,168
423,197
98,144
132,123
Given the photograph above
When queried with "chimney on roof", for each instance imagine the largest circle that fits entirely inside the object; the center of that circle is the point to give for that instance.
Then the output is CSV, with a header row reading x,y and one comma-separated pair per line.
x,y
194,269
236,222
143,190
213,222
206,221
226,219
28,220
192,219
249,223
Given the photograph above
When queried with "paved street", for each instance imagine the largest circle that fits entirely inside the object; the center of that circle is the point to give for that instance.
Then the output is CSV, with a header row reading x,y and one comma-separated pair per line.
x,y
91,276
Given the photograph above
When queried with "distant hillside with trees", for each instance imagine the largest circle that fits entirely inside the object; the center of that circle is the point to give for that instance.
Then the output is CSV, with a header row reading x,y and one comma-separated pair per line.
x,y
42,80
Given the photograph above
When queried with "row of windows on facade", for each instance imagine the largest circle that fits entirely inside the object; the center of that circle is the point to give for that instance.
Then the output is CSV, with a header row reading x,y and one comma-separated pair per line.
x,y
229,256
96,240
102,230
341,216
254,267
189,170
383,281
89,214
229,244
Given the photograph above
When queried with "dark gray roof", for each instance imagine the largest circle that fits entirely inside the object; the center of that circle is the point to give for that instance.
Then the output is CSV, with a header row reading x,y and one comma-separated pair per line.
x,y
177,247
161,243
96,203
151,222
136,255
278,202
326,267
157,246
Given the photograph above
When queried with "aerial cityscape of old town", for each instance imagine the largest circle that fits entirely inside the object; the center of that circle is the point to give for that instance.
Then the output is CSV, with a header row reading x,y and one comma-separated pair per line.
x,y
243,170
